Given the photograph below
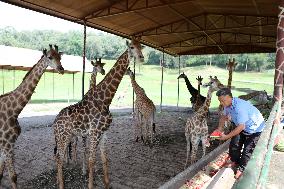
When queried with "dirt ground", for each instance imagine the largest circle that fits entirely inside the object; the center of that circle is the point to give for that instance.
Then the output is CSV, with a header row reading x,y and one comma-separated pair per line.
x,y
131,164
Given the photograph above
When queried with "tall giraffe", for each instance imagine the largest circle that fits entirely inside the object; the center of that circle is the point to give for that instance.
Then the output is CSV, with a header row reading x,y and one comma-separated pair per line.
x,y
92,121
230,66
198,103
144,111
191,90
12,103
196,128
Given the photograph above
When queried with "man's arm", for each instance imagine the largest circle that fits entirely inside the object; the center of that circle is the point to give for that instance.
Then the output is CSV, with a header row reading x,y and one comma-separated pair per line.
x,y
233,133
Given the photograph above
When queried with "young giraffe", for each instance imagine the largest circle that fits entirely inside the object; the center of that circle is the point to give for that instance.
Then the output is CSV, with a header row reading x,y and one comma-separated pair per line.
x,y
99,117
75,119
196,128
198,103
12,103
144,111
97,68
192,90
230,66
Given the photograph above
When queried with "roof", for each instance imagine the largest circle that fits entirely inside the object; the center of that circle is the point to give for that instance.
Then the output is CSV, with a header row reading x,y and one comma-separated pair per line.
x,y
178,27
26,58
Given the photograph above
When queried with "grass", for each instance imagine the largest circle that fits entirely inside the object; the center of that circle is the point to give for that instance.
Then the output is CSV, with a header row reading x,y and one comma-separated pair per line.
x,y
59,88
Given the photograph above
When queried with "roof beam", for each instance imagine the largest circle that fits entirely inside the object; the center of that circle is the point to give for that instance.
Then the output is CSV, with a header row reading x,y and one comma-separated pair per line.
x,y
129,7
265,21
196,40
201,31
228,50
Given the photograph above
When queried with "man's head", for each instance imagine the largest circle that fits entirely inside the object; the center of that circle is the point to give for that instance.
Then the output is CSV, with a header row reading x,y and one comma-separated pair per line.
x,y
225,97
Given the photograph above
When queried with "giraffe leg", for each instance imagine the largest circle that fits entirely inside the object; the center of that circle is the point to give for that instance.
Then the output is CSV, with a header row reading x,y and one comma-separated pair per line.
x,y
92,159
11,169
194,142
204,143
2,167
188,149
60,178
105,162
84,141
60,155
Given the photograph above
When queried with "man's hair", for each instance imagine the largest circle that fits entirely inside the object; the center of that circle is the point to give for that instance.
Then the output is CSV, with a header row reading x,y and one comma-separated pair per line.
x,y
224,92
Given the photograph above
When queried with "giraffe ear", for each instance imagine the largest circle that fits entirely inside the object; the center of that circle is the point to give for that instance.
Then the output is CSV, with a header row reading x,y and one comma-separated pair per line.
x,y
50,46
92,63
56,48
60,53
44,51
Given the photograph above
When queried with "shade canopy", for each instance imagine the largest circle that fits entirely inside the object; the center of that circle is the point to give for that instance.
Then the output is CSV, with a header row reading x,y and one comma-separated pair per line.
x,y
179,27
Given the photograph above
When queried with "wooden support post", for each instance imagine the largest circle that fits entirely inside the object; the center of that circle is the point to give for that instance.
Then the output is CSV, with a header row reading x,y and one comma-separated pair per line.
x,y
84,56
3,83
178,79
73,87
162,80
133,93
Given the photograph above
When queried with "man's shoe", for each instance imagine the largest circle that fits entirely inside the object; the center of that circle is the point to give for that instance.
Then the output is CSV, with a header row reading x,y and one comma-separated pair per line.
x,y
238,174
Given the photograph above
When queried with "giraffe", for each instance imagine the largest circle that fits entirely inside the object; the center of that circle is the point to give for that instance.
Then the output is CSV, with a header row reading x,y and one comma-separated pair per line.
x,y
191,90
12,103
230,66
196,128
95,120
198,103
97,68
144,111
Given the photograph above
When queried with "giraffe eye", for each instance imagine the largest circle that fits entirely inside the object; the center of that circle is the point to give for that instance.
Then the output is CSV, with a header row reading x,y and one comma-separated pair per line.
x,y
50,57
132,47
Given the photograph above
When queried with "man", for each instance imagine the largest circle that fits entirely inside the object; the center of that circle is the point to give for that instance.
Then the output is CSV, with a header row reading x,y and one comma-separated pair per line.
x,y
249,124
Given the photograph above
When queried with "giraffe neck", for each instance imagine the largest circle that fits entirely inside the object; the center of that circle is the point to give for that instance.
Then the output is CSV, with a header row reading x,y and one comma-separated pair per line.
x,y
198,94
106,89
137,89
203,110
190,88
22,94
230,79
93,79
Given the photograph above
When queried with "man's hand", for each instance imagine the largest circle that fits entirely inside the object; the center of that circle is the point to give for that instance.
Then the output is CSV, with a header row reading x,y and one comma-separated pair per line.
x,y
223,137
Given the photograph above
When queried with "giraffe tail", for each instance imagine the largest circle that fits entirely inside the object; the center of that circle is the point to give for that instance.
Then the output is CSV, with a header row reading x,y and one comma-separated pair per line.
x,y
55,150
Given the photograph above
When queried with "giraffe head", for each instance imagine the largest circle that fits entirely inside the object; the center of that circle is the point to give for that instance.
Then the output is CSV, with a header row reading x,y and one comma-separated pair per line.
x,y
231,65
135,49
214,84
53,58
98,66
199,79
182,75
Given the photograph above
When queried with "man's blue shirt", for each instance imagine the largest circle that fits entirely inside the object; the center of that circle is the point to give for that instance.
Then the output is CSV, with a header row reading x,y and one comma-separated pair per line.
x,y
243,112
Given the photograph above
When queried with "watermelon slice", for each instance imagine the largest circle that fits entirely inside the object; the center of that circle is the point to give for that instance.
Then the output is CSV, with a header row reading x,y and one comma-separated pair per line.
x,y
215,135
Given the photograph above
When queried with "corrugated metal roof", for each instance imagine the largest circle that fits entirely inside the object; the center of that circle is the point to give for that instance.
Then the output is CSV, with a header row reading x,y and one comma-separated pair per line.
x,y
177,26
